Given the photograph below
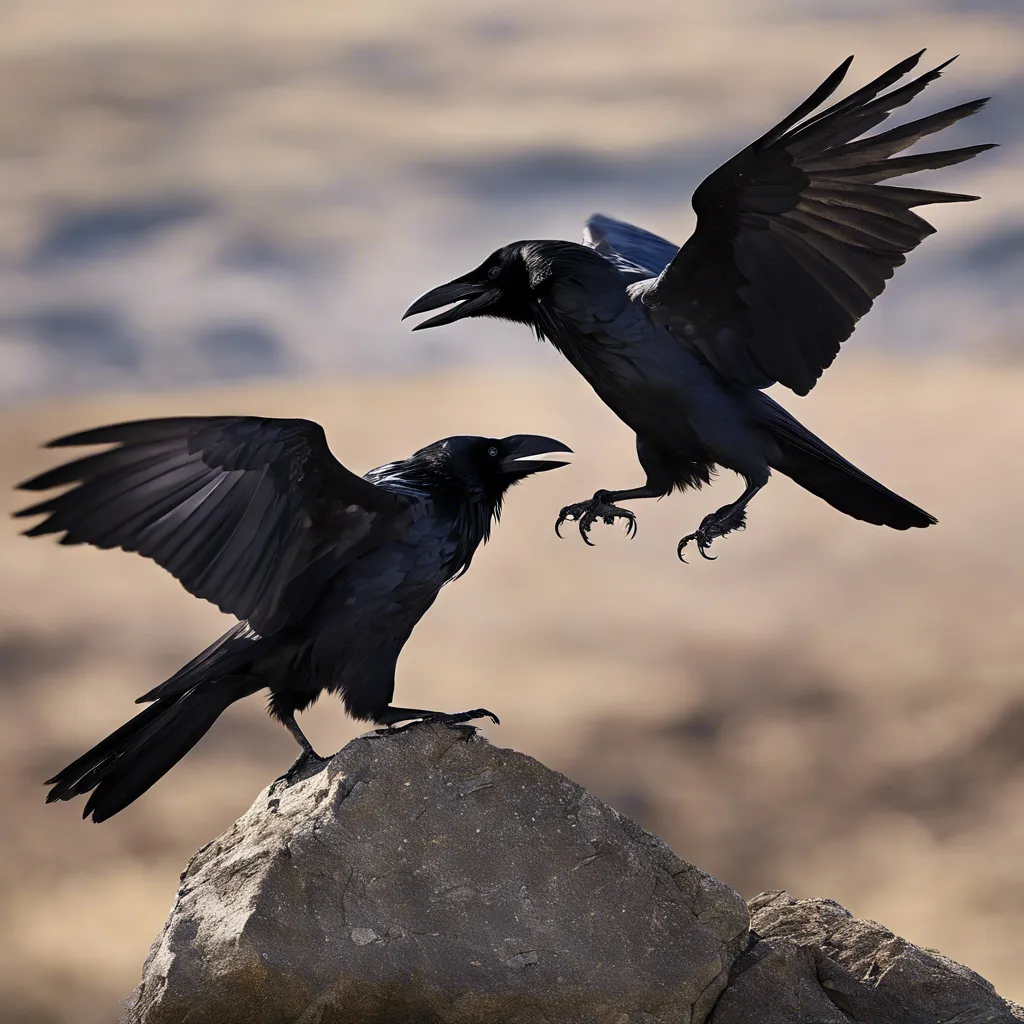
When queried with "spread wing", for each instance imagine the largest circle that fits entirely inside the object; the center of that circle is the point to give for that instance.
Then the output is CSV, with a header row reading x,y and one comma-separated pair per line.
x,y
795,236
629,246
248,513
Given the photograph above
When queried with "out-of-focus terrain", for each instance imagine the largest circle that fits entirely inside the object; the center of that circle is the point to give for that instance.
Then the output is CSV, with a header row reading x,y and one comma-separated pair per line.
x,y
829,707
206,189
197,192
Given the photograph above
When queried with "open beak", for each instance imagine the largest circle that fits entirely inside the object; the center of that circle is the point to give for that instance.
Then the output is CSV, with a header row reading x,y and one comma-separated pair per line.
x,y
471,296
530,453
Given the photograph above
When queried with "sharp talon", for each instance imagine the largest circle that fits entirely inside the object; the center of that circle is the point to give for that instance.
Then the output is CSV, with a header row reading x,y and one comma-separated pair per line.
x,y
681,545
565,516
718,524
470,716
598,509
459,719
306,760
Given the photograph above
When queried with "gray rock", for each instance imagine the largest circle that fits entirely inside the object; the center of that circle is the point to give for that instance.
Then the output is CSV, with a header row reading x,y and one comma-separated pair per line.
x,y
776,983
427,877
812,962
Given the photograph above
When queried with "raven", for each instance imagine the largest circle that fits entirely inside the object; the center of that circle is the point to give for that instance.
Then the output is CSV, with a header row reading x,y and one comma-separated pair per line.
x,y
795,238
327,571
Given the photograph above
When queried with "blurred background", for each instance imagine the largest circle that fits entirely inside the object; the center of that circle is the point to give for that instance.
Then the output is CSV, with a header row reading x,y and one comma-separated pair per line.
x,y
219,207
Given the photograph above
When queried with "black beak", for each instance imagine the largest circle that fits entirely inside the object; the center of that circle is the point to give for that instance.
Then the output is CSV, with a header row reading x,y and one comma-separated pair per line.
x,y
528,453
477,297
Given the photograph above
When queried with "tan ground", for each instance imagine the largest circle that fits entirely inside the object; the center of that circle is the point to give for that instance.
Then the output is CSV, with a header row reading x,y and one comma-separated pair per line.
x,y
829,707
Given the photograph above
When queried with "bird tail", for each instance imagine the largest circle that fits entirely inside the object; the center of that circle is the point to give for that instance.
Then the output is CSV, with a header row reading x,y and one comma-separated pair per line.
x,y
120,768
816,467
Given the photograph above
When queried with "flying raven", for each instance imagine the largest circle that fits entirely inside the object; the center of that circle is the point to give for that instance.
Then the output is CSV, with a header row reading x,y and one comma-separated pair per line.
x,y
327,571
795,238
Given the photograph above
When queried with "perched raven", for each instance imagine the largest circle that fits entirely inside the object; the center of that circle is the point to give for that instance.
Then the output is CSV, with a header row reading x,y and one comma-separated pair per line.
x,y
794,239
329,572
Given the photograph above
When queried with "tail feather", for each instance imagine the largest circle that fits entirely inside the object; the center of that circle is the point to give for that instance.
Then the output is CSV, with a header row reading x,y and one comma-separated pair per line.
x,y
816,467
120,768
227,655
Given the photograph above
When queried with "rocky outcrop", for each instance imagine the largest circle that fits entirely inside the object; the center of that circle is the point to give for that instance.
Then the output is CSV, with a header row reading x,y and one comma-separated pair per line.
x,y
813,961
428,877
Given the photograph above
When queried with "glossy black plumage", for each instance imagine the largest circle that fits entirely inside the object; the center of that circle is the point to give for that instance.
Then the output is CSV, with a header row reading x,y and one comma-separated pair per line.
x,y
329,572
795,238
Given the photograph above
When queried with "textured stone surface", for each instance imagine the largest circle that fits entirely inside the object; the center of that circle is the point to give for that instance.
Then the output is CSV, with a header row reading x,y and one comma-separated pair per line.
x,y
812,962
431,878
427,877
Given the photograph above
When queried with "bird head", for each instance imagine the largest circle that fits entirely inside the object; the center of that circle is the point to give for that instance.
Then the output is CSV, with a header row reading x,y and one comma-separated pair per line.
x,y
512,283
488,466
467,478
500,287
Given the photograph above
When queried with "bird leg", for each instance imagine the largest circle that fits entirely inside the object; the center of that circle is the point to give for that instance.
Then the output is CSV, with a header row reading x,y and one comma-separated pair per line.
x,y
307,759
719,523
602,506
391,716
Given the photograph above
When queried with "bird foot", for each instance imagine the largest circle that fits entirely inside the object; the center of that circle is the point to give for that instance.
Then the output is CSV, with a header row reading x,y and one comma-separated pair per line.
x,y
715,525
586,513
440,718
306,764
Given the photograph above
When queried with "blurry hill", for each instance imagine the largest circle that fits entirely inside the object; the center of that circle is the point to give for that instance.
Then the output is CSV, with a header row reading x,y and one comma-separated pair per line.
x,y
828,707
201,190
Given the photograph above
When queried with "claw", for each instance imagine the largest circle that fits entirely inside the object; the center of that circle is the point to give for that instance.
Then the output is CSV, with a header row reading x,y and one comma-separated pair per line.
x,y
586,513
440,718
718,524
468,716
584,530
304,762
703,543
682,544
566,515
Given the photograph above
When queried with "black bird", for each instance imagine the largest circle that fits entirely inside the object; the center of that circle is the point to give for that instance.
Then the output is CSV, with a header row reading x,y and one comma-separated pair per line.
x,y
795,238
329,572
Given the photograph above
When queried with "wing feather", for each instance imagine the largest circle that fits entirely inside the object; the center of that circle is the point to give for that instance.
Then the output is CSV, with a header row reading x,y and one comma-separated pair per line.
x,y
239,509
795,236
631,247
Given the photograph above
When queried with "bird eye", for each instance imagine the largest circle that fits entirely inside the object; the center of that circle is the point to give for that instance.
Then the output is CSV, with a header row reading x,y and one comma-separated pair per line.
x,y
492,451
494,272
